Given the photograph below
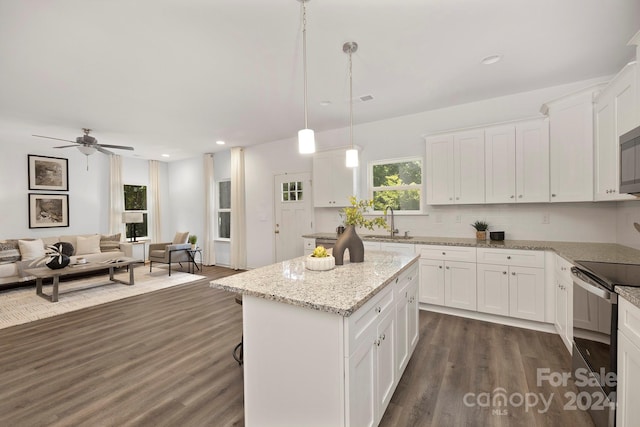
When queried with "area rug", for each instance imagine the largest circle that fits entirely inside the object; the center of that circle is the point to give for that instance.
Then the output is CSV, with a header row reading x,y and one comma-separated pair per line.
x,y
22,305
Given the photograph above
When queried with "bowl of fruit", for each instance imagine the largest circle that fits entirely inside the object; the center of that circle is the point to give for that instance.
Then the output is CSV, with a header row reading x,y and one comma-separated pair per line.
x,y
320,260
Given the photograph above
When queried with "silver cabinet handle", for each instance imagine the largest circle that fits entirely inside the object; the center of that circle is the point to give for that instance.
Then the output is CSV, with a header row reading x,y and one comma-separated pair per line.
x,y
513,273
512,196
508,256
440,267
444,253
553,195
378,310
520,196
447,267
504,272
382,337
377,342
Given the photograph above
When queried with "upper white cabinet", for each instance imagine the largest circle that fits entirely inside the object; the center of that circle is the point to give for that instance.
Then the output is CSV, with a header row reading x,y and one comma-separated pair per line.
x,y
517,162
615,114
571,146
455,170
333,181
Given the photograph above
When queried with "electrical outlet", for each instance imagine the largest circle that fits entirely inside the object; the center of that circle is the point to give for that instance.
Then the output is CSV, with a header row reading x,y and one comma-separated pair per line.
x,y
545,218
438,218
458,219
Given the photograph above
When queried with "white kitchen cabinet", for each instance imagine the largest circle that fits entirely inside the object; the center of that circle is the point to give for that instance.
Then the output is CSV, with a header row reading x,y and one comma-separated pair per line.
x,y
448,275
615,114
333,182
373,246
455,168
517,162
628,387
309,245
564,300
403,248
511,283
571,146
406,319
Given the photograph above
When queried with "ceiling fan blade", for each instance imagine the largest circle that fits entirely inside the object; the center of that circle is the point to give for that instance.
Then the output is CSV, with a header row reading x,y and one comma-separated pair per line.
x,y
66,146
102,150
119,147
57,139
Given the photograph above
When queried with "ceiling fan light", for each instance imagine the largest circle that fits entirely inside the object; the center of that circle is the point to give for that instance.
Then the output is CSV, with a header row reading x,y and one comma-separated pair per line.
x,y
306,141
87,151
352,158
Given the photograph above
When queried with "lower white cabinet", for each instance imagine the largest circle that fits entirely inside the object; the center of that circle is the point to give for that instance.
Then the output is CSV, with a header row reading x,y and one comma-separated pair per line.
x,y
628,391
448,283
385,334
511,283
309,245
564,301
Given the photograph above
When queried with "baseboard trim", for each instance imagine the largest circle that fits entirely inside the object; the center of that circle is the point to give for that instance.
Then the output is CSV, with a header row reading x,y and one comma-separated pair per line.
x,y
493,318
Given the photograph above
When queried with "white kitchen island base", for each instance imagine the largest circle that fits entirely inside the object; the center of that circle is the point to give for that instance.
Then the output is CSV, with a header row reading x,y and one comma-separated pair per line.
x,y
326,348
293,365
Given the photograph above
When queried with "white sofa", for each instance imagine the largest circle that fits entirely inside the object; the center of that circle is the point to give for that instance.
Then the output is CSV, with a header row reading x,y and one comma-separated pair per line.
x,y
13,264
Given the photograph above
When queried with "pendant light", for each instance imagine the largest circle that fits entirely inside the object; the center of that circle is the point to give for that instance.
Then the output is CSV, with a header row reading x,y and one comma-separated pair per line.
x,y
306,138
352,153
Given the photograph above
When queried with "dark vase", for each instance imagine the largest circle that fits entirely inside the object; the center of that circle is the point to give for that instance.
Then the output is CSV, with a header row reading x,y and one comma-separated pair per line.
x,y
349,239
58,262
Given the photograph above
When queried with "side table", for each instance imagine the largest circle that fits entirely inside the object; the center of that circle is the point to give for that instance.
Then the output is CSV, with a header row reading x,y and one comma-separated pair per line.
x,y
193,262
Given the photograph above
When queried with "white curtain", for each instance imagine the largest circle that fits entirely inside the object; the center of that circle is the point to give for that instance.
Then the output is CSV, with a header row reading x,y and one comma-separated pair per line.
x,y
238,211
153,209
210,218
116,196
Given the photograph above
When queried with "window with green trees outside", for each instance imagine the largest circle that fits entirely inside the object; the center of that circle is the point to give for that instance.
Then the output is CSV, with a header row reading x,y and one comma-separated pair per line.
x,y
397,183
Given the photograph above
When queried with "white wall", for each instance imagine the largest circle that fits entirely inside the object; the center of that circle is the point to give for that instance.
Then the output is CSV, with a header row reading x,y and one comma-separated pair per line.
x,y
628,213
88,189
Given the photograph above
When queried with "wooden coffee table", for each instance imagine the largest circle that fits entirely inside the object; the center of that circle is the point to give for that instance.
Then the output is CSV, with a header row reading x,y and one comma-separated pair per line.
x,y
41,273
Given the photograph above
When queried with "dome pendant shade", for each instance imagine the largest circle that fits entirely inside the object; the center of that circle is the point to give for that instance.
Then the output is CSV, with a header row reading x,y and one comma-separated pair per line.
x,y
306,141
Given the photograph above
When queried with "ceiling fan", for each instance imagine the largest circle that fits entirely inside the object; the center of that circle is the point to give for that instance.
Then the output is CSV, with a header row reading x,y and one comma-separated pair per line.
x,y
87,144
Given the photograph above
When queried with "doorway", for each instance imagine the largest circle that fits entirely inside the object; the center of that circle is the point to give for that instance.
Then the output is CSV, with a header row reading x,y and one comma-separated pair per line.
x,y
293,213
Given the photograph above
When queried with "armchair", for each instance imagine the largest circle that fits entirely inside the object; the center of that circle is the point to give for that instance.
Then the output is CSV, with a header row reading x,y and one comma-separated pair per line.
x,y
172,252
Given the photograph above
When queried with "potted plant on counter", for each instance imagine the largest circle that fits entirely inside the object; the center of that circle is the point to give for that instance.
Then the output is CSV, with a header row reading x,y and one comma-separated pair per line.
x,y
353,217
320,260
481,229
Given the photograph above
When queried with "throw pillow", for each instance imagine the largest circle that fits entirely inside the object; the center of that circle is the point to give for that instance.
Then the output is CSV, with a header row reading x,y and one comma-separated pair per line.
x,y
65,247
180,237
9,251
110,243
88,245
31,249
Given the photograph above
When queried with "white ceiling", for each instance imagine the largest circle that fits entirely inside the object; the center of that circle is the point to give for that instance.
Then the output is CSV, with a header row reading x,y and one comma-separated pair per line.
x,y
174,76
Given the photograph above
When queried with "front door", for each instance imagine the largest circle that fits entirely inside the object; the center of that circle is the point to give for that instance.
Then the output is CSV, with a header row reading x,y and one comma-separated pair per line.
x,y
293,213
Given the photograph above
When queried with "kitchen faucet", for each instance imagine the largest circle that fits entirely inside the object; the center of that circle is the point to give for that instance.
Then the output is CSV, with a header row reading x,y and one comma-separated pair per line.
x,y
394,230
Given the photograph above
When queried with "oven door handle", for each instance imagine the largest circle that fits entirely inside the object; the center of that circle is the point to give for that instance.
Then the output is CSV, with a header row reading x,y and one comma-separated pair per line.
x,y
592,288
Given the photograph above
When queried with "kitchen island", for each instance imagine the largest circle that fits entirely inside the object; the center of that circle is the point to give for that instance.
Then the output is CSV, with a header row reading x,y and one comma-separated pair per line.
x,y
326,348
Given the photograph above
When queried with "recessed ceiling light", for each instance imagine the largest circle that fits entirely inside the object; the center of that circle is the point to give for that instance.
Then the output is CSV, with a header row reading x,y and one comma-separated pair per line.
x,y
491,59
220,142
325,103
166,155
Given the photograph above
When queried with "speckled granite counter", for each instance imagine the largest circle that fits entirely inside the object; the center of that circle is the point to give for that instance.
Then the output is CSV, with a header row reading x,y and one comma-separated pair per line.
x,y
341,290
571,251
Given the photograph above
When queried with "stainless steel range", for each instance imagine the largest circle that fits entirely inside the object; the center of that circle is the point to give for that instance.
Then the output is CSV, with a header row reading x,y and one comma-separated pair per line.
x,y
595,326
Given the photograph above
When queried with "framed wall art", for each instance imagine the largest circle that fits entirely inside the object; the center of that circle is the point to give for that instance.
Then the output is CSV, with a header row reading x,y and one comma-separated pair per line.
x,y
48,210
48,173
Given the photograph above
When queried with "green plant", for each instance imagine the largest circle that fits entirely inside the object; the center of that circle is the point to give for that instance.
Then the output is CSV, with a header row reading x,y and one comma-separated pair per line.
x,y
193,239
480,225
320,252
354,215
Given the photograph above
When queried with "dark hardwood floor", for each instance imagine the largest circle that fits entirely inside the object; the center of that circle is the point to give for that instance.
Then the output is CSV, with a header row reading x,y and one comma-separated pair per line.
x,y
164,359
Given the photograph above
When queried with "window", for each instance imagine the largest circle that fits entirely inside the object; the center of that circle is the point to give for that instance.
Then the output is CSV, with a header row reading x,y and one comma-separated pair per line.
x,y
135,200
396,183
292,191
224,209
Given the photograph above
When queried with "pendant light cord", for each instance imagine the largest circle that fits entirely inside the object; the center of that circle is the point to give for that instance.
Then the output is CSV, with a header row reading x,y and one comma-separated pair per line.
x,y
304,58
350,100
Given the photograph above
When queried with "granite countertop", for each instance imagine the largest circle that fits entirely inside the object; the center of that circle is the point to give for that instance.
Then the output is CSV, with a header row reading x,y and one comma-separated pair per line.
x,y
571,251
341,290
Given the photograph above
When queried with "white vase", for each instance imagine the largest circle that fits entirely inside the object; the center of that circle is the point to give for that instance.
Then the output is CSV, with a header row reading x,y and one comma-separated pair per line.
x,y
320,264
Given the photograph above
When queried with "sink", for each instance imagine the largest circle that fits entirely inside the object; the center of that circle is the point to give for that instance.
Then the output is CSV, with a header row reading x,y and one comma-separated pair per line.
x,y
373,236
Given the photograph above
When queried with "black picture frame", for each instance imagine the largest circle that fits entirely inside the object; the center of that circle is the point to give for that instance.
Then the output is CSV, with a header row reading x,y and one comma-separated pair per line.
x,y
48,210
48,173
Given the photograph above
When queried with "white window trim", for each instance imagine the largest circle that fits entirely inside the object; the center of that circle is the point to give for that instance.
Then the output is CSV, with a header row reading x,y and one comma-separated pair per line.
x,y
218,210
421,187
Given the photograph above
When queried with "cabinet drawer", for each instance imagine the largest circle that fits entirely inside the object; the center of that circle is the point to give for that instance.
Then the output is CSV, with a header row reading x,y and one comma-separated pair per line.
x,y
309,243
521,258
563,269
362,323
406,279
629,320
449,253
